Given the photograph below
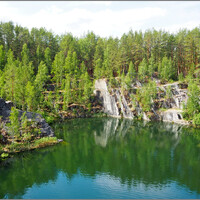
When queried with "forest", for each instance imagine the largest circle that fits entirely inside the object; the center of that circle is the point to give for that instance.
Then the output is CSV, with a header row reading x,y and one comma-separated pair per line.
x,y
44,72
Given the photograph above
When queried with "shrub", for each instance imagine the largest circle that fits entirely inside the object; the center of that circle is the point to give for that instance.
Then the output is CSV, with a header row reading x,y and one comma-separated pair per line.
x,y
196,120
14,125
45,141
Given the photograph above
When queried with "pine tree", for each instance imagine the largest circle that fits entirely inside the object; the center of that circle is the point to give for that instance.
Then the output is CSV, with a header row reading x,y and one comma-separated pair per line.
x,y
24,124
75,64
167,70
83,68
10,76
98,69
87,87
68,63
14,125
2,58
193,106
24,75
2,83
47,56
142,70
30,97
58,69
67,92
41,77
25,55
39,54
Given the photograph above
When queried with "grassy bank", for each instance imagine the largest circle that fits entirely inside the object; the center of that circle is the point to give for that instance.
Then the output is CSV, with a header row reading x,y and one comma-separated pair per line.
x,y
9,150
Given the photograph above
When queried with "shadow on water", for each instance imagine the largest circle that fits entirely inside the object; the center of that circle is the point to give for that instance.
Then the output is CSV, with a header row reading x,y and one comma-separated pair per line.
x,y
131,151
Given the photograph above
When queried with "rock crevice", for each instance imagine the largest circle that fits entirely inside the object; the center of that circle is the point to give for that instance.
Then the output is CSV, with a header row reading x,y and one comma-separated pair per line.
x,y
116,104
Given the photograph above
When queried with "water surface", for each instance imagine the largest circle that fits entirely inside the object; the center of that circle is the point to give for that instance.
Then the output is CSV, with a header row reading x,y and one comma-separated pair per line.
x,y
108,158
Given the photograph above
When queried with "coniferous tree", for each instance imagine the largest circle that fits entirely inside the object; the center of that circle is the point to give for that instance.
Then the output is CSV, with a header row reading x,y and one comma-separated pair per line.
x,y
2,57
41,77
67,92
58,68
10,76
14,125
87,87
24,75
142,70
47,56
98,69
30,97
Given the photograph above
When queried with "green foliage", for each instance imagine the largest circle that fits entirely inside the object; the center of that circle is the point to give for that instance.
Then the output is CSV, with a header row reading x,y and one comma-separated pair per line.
x,y
193,106
181,77
167,70
87,91
25,54
41,77
4,155
67,92
34,62
14,125
2,57
152,66
47,56
143,70
98,69
196,119
146,94
45,141
24,124
10,76
168,92
30,97
58,68
130,75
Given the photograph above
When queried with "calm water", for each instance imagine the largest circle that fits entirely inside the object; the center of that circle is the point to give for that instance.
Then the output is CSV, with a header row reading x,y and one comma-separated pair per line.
x,y
108,158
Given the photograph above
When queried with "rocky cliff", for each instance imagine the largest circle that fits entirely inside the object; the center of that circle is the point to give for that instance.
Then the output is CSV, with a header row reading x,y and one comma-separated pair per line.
x,y
117,104
5,109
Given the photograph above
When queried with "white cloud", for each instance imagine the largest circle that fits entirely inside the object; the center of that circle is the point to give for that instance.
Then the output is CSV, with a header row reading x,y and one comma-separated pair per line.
x,y
105,18
176,27
101,22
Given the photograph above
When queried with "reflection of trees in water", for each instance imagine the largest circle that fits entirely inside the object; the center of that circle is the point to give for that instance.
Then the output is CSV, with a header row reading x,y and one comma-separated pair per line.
x,y
152,153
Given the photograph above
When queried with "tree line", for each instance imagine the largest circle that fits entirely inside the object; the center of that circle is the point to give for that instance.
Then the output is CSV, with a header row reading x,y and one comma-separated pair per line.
x,y
30,60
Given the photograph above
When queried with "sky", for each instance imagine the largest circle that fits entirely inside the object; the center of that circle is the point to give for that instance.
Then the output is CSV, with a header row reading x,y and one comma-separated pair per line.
x,y
104,18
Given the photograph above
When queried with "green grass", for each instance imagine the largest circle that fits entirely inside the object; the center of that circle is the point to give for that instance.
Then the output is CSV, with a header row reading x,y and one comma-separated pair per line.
x,y
45,141
15,147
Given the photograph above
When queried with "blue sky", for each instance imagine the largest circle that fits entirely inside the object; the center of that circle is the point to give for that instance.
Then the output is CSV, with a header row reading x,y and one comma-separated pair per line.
x,y
105,18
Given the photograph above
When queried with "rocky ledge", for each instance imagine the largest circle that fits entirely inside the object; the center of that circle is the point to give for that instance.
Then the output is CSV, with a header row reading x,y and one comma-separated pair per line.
x,y
5,109
117,104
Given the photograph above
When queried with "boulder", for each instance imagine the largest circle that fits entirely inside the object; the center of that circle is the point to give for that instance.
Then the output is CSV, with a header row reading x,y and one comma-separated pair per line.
x,y
5,109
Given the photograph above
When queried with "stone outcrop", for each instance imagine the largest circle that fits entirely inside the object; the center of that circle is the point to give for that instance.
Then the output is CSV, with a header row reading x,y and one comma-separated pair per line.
x,y
5,109
109,101
116,104
173,115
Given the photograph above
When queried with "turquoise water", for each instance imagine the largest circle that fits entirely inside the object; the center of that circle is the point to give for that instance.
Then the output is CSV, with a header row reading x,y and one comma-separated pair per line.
x,y
108,158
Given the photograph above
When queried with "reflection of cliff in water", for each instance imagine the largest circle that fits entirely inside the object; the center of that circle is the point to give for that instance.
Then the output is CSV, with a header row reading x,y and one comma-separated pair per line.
x,y
133,152
114,128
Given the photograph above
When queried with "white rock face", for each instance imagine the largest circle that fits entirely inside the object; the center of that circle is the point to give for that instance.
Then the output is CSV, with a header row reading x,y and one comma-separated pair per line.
x,y
109,103
173,115
115,103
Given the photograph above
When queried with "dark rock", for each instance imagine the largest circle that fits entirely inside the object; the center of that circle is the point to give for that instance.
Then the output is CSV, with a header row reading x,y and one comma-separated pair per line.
x,y
5,109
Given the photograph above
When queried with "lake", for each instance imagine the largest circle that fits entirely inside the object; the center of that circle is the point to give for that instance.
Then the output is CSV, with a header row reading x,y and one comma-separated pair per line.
x,y
108,158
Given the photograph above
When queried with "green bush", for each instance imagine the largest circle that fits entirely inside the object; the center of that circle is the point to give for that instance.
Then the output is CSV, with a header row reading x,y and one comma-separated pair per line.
x,y
45,141
14,125
196,120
